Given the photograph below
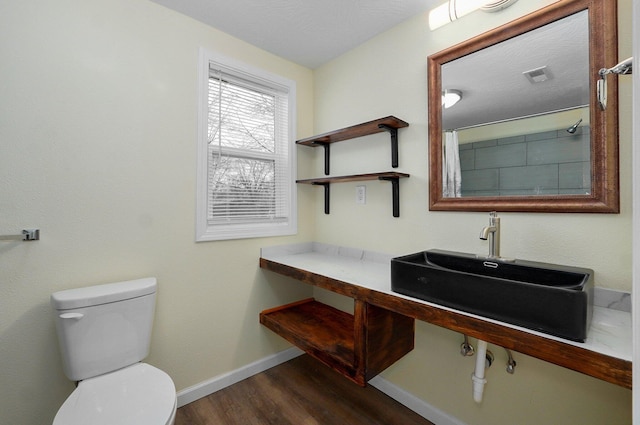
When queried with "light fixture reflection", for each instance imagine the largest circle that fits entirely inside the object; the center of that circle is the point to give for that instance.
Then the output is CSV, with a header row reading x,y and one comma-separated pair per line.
x,y
450,97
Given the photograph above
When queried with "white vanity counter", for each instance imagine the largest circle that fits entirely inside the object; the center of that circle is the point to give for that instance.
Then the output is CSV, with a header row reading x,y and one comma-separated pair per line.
x,y
610,333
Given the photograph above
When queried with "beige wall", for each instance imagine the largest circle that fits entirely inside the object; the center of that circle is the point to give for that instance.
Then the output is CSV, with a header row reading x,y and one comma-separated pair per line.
x,y
98,149
387,76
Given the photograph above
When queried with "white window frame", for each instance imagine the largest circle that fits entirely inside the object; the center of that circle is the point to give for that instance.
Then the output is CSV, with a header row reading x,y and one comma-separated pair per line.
x,y
209,231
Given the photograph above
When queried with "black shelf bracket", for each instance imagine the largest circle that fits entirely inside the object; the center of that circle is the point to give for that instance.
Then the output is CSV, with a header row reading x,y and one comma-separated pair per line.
x,y
395,193
394,143
327,154
327,192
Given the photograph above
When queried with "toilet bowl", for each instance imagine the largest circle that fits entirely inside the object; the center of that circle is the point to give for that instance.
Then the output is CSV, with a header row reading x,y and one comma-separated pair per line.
x,y
104,333
136,395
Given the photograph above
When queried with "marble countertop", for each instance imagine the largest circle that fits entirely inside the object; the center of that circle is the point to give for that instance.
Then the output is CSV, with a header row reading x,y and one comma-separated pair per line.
x,y
610,332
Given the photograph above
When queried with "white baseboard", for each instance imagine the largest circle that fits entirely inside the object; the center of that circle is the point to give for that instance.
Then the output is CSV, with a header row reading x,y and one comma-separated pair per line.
x,y
212,385
412,402
405,398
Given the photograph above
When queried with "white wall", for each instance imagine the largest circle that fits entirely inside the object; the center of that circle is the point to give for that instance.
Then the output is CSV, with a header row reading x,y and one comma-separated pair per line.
x,y
98,149
387,76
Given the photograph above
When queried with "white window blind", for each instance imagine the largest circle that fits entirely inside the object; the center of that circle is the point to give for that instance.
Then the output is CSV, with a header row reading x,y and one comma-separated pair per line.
x,y
249,164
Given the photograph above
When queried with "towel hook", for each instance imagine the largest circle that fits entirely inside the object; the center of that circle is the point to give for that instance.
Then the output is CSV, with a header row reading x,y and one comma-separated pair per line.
x,y
26,235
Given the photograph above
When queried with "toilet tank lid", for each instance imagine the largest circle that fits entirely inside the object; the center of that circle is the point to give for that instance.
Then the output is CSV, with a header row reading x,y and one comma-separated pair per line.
x,y
103,294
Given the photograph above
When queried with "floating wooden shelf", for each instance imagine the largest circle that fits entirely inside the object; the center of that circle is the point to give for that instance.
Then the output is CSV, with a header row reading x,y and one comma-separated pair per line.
x,y
390,124
354,131
392,177
358,346
354,178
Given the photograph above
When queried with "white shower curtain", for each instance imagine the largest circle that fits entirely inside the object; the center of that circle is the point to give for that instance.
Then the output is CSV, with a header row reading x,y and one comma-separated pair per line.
x,y
451,175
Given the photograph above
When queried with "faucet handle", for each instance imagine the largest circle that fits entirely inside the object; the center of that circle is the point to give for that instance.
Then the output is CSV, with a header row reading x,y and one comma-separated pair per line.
x,y
493,218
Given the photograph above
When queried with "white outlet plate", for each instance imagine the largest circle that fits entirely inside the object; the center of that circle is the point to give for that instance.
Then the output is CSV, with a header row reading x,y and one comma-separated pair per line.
x,y
361,195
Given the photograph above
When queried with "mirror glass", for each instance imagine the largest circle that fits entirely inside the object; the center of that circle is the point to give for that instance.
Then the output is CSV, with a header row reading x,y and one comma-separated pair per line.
x,y
526,133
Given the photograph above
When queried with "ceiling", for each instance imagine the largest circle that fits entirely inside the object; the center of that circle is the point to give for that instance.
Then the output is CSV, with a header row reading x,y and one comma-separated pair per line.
x,y
313,32
493,85
307,32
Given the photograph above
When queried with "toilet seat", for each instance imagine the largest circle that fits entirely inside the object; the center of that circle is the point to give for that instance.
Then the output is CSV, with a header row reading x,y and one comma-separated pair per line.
x,y
135,395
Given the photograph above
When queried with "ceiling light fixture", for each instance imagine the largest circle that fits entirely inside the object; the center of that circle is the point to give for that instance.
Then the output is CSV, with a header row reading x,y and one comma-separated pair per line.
x,y
455,9
496,5
450,97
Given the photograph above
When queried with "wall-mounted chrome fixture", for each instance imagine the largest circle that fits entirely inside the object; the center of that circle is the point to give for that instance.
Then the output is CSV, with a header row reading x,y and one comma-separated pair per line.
x,y
623,68
450,97
511,364
467,349
574,127
484,360
456,9
26,235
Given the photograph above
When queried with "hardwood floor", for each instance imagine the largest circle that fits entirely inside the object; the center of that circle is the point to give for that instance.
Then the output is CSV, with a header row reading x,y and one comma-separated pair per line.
x,y
301,391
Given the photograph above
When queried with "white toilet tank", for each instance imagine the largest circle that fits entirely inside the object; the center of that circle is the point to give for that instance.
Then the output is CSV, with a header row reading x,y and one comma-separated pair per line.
x,y
103,328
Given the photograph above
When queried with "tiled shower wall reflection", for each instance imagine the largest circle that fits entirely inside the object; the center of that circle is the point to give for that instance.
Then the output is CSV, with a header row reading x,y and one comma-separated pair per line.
x,y
552,162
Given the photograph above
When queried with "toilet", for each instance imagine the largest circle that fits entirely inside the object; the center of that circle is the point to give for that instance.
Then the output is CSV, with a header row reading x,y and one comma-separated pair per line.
x,y
104,333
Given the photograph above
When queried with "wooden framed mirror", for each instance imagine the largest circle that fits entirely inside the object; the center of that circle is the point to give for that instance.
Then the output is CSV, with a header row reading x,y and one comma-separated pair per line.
x,y
556,138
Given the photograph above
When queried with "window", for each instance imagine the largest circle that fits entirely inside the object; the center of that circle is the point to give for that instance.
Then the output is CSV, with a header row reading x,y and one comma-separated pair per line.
x,y
246,155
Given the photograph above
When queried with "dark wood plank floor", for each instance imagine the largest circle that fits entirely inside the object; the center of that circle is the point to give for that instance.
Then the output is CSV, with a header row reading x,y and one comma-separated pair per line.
x,y
301,391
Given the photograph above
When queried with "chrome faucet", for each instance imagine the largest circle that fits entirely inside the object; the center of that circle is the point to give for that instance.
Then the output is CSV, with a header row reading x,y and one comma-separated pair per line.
x,y
492,232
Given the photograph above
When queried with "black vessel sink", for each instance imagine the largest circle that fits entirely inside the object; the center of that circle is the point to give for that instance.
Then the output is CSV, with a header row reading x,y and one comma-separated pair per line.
x,y
549,298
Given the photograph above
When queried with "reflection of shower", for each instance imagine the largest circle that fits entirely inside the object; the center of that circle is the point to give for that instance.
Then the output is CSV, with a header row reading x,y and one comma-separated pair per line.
x,y
574,127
